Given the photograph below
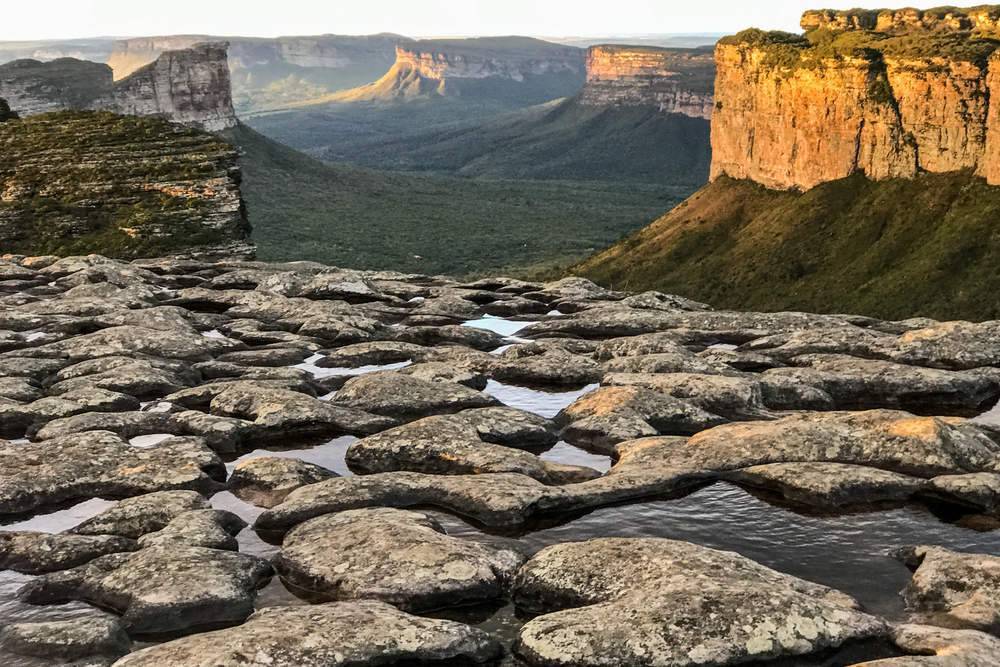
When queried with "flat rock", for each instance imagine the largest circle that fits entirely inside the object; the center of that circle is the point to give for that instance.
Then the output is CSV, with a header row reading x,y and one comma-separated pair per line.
x,y
99,463
40,553
85,638
865,383
406,397
660,602
734,398
418,567
348,634
894,441
185,344
17,419
539,365
603,418
267,480
141,515
281,413
210,528
980,491
162,589
830,485
452,445
939,647
502,499
959,590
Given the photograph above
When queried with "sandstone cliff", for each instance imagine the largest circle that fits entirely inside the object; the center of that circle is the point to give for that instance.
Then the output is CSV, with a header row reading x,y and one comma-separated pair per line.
x,y
885,93
77,182
532,70
190,87
271,73
672,80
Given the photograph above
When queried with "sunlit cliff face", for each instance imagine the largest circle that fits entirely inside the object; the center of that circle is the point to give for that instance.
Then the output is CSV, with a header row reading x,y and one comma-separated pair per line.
x,y
673,80
791,114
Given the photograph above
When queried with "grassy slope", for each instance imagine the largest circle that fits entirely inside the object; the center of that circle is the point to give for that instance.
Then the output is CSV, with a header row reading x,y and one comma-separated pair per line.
x,y
892,249
305,209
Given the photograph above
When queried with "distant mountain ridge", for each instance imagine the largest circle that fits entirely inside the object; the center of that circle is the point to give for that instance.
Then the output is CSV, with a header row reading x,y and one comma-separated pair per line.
x,y
527,70
274,72
189,86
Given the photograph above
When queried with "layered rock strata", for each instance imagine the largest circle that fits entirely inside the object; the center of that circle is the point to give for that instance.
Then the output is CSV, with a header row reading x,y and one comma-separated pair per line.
x,y
97,182
189,86
671,80
885,94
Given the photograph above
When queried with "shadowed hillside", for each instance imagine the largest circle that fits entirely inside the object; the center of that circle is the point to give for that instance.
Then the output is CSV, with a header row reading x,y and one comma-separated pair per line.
x,y
302,208
894,249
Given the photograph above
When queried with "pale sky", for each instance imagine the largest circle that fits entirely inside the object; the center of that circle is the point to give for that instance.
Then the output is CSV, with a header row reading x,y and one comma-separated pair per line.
x,y
60,19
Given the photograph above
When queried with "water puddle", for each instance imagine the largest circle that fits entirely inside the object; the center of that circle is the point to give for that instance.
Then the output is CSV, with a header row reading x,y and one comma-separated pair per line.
x,y
498,325
309,365
565,453
149,441
64,519
329,455
544,403
851,553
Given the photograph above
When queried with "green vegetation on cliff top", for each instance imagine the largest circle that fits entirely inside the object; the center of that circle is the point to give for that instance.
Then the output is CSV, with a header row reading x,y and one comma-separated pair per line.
x,y
893,249
80,182
785,50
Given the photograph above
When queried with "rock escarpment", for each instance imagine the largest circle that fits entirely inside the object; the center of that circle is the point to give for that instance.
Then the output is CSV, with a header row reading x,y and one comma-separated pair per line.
x,y
530,70
887,94
189,86
672,80
268,73
84,181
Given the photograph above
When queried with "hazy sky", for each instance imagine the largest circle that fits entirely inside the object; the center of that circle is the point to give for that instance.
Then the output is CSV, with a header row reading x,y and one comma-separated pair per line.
x,y
48,19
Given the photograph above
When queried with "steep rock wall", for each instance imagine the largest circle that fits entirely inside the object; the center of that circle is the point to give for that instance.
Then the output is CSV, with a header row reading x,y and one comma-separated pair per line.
x,y
486,58
919,95
672,80
189,86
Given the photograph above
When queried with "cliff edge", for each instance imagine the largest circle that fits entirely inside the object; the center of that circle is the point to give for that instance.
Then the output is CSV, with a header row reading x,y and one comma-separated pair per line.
x,y
76,182
189,86
670,80
885,93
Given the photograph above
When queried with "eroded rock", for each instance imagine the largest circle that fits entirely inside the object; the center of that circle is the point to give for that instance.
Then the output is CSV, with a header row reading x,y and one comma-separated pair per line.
x,y
367,633
656,602
418,566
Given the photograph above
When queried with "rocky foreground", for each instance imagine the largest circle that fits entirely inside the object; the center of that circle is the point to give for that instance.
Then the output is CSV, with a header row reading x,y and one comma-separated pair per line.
x,y
137,382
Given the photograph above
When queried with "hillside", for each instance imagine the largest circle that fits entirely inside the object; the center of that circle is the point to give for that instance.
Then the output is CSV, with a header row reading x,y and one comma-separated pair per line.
x,y
305,209
77,182
893,249
562,140
641,116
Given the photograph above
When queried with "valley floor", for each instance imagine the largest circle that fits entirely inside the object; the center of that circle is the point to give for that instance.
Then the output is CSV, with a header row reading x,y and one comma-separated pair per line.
x,y
302,208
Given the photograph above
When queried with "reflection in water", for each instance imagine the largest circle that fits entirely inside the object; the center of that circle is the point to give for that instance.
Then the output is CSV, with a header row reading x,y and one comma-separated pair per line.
x,y
565,453
851,553
329,455
544,403
498,325
309,365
